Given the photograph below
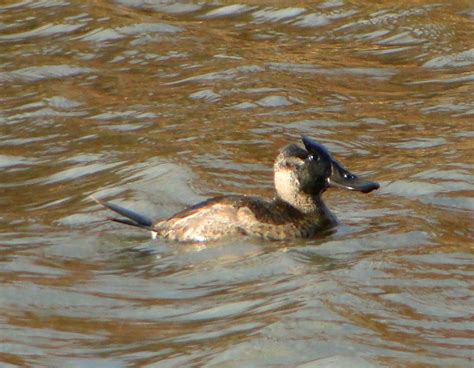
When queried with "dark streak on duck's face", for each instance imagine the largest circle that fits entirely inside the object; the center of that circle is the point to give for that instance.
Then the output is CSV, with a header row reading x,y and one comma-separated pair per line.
x,y
321,170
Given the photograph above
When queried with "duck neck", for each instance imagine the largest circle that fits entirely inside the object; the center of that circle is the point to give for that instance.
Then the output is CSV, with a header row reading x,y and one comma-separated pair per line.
x,y
307,204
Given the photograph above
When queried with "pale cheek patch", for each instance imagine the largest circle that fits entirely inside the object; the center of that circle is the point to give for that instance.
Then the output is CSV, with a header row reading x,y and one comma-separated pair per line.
x,y
286,184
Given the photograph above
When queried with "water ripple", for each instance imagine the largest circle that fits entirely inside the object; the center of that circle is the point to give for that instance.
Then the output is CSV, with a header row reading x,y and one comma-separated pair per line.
x,y
226,11
101,35
166,6
35,4
276,15
37,73
79,171
228,74
462,59
47,30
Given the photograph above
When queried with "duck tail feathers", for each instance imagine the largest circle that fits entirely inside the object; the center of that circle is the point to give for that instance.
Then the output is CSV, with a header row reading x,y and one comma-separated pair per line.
x,y
132,218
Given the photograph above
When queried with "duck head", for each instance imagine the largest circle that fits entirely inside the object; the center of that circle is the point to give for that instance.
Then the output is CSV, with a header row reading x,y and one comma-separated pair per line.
x,y
310,171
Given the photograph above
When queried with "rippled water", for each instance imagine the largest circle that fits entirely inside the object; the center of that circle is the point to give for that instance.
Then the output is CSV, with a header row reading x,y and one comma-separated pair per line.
x,y
159,104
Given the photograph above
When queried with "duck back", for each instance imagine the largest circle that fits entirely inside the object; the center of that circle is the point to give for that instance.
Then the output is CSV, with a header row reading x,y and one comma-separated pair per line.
x,y
230,215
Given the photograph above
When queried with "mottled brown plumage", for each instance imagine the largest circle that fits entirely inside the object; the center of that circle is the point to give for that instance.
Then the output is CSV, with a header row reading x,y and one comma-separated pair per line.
x,y
232,215
300,175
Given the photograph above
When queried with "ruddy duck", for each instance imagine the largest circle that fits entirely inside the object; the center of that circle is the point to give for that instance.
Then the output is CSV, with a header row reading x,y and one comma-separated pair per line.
x,y
297,211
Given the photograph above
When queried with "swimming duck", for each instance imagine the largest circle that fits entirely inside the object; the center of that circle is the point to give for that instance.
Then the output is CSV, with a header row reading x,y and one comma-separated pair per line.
x,y
301,175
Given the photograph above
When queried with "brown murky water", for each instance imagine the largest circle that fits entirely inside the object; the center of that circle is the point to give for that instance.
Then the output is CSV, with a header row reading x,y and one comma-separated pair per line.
x,y
158,104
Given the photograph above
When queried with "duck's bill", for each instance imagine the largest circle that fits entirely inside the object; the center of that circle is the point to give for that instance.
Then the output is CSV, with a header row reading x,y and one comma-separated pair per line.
x,y
342,178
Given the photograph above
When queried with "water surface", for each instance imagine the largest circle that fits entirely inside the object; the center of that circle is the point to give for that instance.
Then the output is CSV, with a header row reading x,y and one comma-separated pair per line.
x,y
159,104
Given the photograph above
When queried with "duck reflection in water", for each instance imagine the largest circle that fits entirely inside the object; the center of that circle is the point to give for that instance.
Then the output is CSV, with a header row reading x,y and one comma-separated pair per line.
x,y
301,175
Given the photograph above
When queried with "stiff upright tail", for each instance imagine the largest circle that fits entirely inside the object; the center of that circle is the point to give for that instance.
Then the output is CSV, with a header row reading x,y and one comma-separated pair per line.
x,y
132,218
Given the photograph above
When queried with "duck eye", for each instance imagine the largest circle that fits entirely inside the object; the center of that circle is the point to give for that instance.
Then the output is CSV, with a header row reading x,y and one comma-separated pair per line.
x,y
310,158
349,176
